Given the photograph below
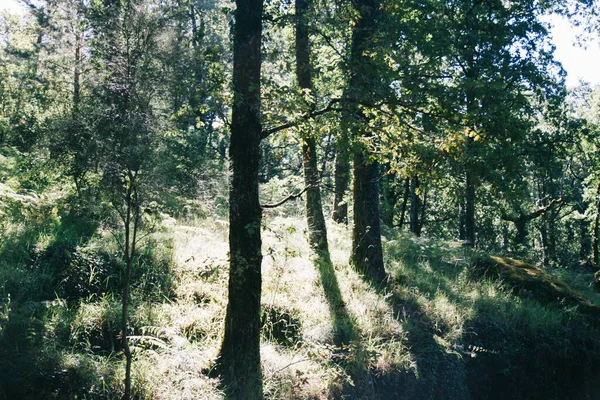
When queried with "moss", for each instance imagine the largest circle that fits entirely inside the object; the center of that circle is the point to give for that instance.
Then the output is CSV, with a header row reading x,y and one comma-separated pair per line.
x,y
529,281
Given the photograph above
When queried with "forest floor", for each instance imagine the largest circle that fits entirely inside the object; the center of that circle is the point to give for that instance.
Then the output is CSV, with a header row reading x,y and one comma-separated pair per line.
x,y
438,329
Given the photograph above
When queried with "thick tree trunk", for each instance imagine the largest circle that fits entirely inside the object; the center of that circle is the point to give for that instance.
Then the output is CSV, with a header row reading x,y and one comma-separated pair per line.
x,y
239,359
469,208
341,180
367,254
415,205
521,238
317,231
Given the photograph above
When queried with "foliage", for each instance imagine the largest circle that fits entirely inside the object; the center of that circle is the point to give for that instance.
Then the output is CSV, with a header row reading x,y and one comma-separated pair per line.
x,y
114,122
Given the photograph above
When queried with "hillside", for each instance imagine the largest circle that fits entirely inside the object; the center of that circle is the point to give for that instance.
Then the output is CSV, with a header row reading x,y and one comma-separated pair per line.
x,y
439,329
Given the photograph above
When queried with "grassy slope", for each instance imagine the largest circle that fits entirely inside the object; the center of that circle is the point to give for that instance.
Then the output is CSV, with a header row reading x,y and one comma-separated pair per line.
x,y
436,330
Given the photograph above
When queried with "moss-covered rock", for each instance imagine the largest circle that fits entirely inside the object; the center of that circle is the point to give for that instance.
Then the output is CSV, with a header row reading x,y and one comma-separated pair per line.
x,y
530,281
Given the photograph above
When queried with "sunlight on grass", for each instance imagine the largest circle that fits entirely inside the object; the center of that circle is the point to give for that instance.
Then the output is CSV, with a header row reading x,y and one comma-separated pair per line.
x,y
327,332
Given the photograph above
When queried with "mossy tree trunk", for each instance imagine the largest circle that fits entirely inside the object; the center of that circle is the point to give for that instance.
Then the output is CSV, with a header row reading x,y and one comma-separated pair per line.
x,y
341,179
317,230
239,359
367,254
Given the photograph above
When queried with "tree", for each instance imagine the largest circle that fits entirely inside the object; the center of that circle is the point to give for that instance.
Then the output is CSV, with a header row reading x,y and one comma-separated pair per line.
x,y
367,253
317,230
239,358
493,81
125,42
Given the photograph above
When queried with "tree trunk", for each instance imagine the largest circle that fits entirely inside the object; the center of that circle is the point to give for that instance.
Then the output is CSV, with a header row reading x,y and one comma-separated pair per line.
x,y
521,238
552,235
196,96
239,359
131,222
341,180
423,210
505,237
544,239
596,233
317,231
367,254
389,197
469,208
77,72
415,205
461,219
585,244
405,195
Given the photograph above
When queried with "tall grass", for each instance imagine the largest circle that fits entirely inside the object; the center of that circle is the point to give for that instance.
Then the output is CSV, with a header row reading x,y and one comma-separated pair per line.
x,y
435,331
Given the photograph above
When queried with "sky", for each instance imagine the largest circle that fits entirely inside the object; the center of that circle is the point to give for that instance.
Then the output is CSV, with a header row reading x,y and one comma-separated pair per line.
x,y
577,61
580,63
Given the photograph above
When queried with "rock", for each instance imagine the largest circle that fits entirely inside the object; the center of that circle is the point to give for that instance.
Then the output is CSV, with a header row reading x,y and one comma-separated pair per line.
x,y
527,280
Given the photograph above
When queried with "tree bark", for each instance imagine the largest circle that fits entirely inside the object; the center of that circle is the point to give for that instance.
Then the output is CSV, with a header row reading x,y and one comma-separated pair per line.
x,y
77,72
469,208
544,239
389,197
317,230
415,205
596,234
423,210
461,219
131,223
405,195
341,180
367,253
522,219
239,359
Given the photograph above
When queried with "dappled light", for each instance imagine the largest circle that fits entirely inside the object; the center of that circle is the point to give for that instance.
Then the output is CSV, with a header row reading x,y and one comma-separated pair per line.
x,y
297,200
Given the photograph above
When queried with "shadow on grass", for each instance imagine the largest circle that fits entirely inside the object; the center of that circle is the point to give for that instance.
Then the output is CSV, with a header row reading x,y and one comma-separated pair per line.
x,y
346,335
438,372
30,359
500,353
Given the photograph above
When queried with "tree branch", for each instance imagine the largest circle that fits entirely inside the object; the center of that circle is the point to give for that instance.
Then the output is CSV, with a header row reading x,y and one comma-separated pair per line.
x,y
288,198
330,107
531,215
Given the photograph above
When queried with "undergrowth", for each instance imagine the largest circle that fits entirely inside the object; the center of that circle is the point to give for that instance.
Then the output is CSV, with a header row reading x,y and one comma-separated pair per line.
x,y
435,330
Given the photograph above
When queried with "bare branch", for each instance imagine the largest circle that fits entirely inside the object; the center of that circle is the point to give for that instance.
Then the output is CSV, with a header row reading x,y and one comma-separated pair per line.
x,y
532,215
330,107
288,198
